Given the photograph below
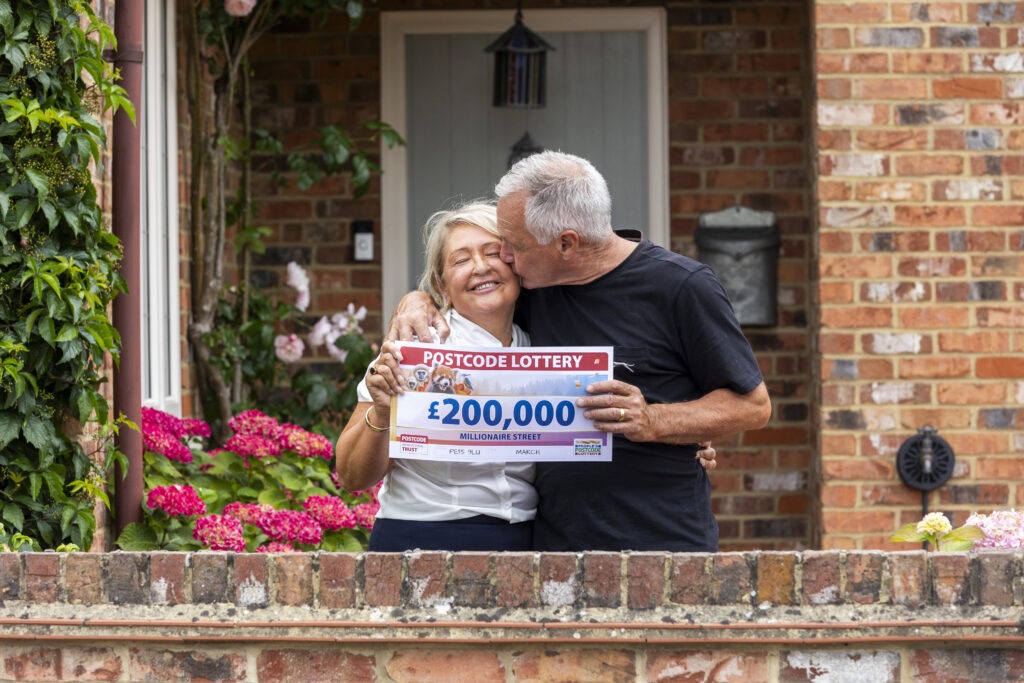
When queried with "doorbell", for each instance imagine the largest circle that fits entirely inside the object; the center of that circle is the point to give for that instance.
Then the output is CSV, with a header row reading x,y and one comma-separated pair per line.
x,y
362,240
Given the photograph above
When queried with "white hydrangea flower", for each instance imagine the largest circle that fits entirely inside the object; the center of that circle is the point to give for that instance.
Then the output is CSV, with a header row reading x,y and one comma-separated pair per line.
x,y
298,280
934,524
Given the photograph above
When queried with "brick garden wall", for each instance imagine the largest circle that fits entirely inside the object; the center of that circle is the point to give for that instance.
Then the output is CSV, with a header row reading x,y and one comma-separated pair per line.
x,y
419,617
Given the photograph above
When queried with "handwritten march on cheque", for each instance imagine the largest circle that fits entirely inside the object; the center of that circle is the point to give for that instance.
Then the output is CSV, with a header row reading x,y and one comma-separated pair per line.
x,y
485,404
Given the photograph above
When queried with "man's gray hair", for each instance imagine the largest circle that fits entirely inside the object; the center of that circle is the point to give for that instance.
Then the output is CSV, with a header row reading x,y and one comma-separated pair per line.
x,y
564,192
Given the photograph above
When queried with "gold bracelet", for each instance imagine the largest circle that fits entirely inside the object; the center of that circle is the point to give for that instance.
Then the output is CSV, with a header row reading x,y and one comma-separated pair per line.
x,y
366,418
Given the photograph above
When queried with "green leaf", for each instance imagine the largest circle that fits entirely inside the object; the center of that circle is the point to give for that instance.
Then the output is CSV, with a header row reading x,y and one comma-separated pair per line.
x,y
137,537
955,546
10,427
40,433
967,532
39,181
908,533
67,333
317,398
14,514
274,497
961,539
51,281
47,330
293,481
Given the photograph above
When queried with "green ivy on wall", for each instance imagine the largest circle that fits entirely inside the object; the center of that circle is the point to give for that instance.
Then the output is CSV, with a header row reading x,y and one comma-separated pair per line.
x,y
58,267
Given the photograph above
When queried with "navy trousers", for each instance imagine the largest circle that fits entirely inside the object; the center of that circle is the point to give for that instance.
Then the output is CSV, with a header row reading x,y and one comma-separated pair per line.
x,y
473,533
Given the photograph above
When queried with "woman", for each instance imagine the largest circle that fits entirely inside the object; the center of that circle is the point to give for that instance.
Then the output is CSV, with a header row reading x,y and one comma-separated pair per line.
x,y
445,505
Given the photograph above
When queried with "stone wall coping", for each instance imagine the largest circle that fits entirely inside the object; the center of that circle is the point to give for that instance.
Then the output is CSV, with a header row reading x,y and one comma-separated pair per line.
x,y
473,597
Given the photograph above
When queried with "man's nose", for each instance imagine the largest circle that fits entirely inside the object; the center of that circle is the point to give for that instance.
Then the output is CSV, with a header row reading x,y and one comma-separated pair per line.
x,y
506,253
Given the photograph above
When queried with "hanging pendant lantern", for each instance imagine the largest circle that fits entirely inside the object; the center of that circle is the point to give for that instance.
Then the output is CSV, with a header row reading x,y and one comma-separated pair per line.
x,y
520,62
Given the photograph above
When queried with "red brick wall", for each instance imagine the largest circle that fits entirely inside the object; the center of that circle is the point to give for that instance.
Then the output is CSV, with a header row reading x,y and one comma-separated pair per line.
x,y
921,269
775,616
739,107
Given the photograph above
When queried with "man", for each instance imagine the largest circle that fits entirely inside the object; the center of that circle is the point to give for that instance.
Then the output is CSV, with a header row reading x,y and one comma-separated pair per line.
x,y
684,372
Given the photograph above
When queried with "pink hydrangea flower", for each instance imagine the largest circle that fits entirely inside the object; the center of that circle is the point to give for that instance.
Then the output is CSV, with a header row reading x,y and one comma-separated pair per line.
x,y
276,547
248,513
239,8
366,514
153,419
304,442
1002,529
330,512
288,348
175,500
163,433
219,532
195,427
254,422
252,446
166,444
291,525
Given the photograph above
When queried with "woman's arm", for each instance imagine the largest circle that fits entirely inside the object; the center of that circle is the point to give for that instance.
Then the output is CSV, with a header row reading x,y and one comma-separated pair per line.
x,y
361,452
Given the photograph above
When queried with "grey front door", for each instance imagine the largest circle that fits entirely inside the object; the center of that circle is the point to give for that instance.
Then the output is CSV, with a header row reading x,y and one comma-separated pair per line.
x,y
459,144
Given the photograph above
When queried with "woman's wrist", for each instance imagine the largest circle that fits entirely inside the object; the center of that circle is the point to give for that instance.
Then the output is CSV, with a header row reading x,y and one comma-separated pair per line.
x,y
371,423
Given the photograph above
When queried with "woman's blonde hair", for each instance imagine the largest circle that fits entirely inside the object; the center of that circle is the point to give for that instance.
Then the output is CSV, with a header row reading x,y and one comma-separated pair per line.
x,y
480,213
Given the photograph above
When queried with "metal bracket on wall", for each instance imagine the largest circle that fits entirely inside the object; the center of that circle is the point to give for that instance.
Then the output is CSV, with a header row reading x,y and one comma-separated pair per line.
x,y
925,462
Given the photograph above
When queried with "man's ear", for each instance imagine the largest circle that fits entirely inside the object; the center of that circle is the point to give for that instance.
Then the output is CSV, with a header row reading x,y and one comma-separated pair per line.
x,y
568,242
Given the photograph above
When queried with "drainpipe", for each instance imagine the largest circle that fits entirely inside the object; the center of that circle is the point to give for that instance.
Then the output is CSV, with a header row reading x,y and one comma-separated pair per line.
x,y
129,29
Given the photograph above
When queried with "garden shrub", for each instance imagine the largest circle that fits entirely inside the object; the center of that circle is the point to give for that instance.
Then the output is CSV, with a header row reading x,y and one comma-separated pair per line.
x,y
58,267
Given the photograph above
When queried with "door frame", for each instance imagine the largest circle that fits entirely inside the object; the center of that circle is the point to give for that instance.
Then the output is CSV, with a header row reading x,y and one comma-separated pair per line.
x,y
395,26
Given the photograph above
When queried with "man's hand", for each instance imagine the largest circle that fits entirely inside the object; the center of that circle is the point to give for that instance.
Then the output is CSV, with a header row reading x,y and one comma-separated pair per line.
x,y
618,408
413,318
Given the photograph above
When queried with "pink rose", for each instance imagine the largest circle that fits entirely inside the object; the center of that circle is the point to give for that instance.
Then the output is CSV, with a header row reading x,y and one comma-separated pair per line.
x,y
239,8
288,348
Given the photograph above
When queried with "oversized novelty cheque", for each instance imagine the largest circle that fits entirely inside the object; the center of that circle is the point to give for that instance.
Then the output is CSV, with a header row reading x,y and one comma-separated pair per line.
x,y
498,404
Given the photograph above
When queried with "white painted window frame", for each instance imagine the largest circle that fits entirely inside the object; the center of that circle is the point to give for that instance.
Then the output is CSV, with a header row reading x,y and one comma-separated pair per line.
x,y
395,26
160,284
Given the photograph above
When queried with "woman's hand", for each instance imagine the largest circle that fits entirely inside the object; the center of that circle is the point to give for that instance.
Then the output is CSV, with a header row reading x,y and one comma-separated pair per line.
x,y
706,455
385,378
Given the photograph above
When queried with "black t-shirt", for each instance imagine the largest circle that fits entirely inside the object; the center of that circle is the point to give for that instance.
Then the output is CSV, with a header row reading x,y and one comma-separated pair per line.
x,y
675,337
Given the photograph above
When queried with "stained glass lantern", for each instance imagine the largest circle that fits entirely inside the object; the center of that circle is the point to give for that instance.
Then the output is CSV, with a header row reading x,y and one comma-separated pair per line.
x,y
520,61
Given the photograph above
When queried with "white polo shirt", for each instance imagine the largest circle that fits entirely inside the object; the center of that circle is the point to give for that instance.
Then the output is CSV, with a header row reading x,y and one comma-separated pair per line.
x,y
430,491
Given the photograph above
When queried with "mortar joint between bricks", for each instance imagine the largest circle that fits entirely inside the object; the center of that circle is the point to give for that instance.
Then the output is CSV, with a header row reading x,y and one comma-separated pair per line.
x,y
842,578
359,580
314,578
